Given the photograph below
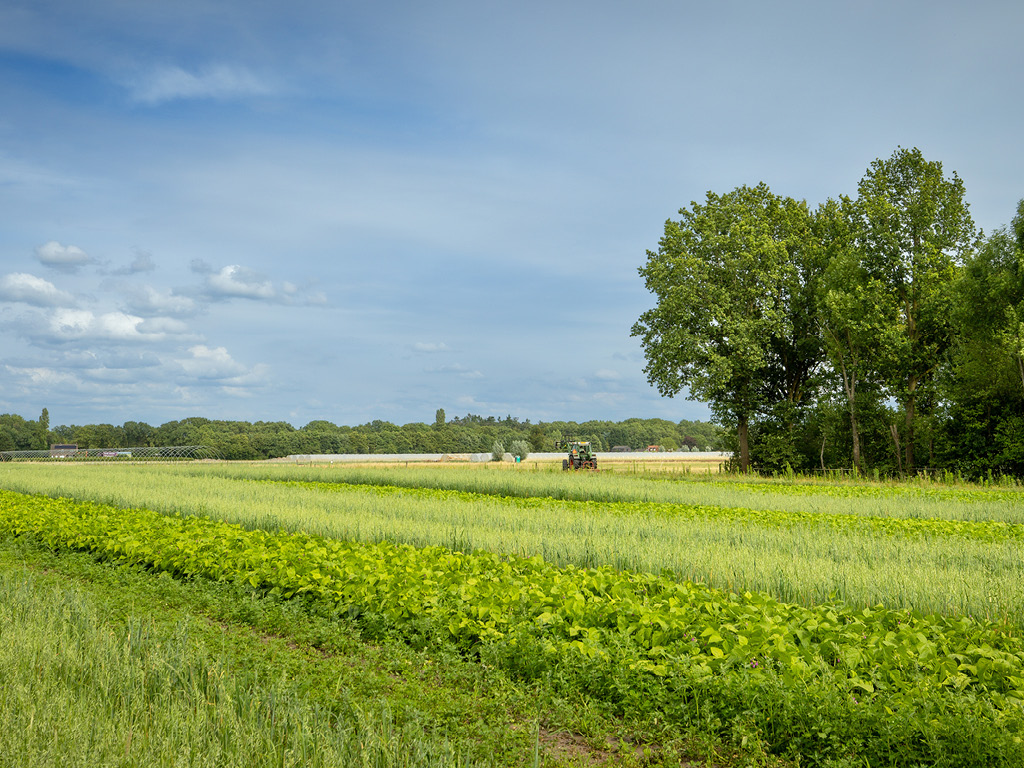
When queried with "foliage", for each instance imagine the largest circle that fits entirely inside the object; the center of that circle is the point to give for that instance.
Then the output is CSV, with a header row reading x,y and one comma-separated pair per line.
x,y
887,311
242,440
730,279
520,448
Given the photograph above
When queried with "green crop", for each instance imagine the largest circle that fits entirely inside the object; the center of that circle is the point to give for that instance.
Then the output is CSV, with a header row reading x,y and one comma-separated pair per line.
x,y
804,553
482,597
648,643
989,530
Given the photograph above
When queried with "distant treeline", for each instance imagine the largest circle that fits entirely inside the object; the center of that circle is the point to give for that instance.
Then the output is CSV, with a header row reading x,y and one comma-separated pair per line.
x,y
272,439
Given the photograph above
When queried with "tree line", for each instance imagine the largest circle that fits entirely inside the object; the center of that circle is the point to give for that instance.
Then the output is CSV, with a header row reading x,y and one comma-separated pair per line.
x,y
883,332
264,440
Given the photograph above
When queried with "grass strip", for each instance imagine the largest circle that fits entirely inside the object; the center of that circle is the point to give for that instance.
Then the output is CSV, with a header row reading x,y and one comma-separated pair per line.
x,y
989,530
908,499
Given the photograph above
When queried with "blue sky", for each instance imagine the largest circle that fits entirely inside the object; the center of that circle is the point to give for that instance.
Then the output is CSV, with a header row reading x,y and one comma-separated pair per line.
x,y
357,211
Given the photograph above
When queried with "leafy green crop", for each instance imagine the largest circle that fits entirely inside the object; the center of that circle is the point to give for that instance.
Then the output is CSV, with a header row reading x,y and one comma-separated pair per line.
x,y
483,597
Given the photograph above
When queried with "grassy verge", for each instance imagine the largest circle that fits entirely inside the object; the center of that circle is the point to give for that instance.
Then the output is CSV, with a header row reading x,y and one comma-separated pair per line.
x,y
109,665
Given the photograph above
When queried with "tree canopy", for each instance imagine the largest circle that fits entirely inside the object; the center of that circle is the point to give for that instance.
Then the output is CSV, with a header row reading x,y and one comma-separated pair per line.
x,y
848,335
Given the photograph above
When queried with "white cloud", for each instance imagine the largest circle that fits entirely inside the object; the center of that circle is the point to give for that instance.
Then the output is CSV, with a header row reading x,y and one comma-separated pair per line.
x,y
607,374
29,289
211,363
81,324
215,82
146,300
42,377
67,258
236,281
163,326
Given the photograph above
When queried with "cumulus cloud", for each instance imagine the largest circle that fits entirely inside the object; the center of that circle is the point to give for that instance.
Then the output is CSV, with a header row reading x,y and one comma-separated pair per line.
x,y
147,301
82,325
236,281
29,289
211,363
215,82
67,258
163,326
143,262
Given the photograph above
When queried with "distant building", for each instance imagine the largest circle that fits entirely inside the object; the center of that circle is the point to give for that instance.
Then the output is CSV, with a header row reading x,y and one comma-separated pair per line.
x,y
63,450
621,449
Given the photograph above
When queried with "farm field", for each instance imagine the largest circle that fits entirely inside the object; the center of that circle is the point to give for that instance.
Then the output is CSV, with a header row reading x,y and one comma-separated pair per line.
x,y
800,623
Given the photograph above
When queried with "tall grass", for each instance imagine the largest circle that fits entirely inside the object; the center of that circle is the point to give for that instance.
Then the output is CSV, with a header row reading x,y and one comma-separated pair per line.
x,y
913,499
76,692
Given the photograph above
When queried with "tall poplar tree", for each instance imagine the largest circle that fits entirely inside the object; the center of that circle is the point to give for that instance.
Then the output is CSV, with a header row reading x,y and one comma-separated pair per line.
x,y
915,231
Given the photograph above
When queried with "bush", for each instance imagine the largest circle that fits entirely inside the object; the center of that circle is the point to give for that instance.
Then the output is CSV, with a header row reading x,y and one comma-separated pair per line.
x,y
497,451
520,448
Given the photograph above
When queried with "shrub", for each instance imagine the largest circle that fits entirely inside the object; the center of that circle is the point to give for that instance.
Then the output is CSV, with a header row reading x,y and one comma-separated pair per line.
x,y
520,448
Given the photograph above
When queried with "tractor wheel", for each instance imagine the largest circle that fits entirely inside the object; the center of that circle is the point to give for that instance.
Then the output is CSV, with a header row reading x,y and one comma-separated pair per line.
x,y
565,464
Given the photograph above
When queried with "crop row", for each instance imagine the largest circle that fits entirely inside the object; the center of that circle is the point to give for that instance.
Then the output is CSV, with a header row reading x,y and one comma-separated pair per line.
x,y
904,501
807,564
483,597
986,530
876,683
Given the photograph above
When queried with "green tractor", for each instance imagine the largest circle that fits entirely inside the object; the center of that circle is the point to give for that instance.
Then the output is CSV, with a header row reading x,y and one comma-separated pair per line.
x,y
581,455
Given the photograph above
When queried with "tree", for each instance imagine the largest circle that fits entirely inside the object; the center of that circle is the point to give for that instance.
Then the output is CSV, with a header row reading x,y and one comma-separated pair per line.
x,y
850,311
725,277
914,232
986,387
137,434
520,448
44,429
439,420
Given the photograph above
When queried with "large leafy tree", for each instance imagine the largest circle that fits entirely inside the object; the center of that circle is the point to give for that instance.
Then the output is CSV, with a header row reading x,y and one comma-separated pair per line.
x,y
915,231
987,386
730,278
854,314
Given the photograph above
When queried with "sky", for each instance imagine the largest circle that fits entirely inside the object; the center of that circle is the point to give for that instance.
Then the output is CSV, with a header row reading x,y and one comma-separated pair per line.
x,y
267,211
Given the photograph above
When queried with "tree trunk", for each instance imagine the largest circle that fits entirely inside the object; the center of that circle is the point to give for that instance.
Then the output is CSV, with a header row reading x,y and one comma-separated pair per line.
x,y
856,440
908,462
850,385
896,441
744,445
